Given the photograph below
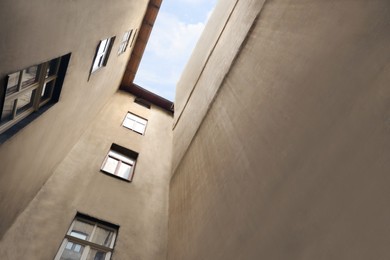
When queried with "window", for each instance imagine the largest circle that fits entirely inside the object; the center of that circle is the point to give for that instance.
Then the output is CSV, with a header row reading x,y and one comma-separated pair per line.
x,y
134,36
102,53
125,42
142,102
135,123
88,238
120,162
30,89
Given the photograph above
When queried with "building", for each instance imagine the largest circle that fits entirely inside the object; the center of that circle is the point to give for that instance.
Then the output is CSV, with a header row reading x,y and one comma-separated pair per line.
x,y
278,147
83,156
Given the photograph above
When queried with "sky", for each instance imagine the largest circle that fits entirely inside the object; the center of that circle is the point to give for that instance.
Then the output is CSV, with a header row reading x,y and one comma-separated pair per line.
x,y
175,33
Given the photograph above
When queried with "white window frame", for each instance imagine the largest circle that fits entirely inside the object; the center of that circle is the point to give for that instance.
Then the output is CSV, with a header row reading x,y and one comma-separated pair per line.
x,y
87,243
134,122
102,53
122,162
125,42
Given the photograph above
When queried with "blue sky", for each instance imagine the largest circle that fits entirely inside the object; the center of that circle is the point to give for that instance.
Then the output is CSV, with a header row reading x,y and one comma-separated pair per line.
x,y
175,33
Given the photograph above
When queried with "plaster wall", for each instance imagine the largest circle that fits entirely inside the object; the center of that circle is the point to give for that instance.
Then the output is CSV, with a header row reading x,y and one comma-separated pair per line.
x,y
40,30
291,160
211,60
140,208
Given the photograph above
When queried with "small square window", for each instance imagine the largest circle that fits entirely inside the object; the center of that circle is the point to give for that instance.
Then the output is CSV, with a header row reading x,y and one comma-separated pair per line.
x,y
102,53
88,238
120,162
125,42
135,123
142,102
134,36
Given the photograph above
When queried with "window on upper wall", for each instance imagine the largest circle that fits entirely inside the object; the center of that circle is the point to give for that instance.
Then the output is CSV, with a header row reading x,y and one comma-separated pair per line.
x,y
29,90
135,123
88,238
102,53
120,162
125,42
134,36
142,102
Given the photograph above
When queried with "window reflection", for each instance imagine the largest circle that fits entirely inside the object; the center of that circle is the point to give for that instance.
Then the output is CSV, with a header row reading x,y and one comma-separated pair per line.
x,y
81,230
29,76
96,255
12,84
25,101
72,251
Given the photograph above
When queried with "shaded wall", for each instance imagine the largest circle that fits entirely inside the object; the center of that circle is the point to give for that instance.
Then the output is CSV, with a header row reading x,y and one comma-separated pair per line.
x,y
37,31
140,208
292,155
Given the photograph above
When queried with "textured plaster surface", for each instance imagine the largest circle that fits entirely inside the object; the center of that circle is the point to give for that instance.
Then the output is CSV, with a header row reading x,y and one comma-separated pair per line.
x,y
233,23
140,208
38,31
292,160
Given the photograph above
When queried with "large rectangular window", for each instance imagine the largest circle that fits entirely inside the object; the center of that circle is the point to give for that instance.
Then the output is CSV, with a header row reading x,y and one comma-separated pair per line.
x,y
88,239
120,162
102,53
28,90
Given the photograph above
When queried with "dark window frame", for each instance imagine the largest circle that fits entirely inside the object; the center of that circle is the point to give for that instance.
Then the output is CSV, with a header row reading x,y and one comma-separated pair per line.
x,y
42,99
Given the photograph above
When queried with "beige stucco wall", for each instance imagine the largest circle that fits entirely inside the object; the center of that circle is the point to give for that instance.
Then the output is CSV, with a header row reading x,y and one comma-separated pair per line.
x,y
140,208
37,31
292,159
211,60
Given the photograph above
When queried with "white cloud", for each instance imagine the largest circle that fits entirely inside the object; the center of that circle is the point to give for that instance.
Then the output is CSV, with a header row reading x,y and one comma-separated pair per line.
x,y
169,48
173,39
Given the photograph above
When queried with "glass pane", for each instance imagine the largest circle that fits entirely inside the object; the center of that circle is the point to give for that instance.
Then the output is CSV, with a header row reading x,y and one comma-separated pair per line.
x,y
30,76
121,157
103,236
47,90
102,46
25,101
129,123
140,128
121,48
81,230
107,43
8,107
12,84
69,245
77,248
141,120
52,68
125,37
72,251
96,255
124,171
110,165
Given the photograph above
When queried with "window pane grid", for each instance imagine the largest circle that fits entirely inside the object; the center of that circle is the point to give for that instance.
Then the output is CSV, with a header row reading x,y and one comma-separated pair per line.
x,y
135,123
102,53
118,164
125,42
23,91
87,239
